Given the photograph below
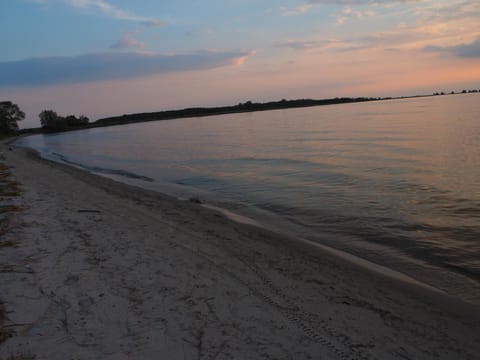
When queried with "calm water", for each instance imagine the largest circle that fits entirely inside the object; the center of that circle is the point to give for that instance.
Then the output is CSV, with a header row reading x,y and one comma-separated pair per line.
x,y
395,182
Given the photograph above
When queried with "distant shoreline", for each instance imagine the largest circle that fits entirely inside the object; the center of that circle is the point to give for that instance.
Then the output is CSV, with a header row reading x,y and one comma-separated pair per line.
x,y
231,109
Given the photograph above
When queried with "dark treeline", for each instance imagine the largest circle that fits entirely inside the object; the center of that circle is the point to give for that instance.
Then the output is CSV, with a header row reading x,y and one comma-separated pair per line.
x,y
51,122
10,115
242,107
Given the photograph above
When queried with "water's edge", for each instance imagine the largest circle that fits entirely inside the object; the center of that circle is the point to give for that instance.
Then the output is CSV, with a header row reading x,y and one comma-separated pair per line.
x,y
245,219
395,184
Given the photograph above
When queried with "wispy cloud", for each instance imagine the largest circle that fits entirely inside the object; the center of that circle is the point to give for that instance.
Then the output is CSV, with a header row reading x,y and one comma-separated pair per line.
x,y
109,66
348,13
309,45
108,9
360,2
435,26
470,50
299,10
128,41
440,25
449,10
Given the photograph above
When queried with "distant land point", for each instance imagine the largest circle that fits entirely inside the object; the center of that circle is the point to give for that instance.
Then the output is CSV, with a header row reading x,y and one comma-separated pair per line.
x,y
248,106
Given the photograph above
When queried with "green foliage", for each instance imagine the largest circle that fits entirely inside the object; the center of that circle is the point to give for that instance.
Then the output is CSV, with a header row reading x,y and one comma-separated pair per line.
x,y
10,114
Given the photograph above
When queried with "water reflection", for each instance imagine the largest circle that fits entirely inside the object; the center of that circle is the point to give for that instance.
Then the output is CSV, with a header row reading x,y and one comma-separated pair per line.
x,y
398,176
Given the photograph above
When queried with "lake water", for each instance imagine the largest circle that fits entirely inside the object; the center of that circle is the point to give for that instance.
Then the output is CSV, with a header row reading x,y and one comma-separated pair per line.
x,y
394,182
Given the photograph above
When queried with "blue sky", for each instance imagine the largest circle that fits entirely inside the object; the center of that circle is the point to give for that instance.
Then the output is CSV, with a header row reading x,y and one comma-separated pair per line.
x,y
106,57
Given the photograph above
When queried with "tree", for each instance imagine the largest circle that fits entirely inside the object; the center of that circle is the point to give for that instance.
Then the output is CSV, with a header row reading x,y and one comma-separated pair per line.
x,y
83,120
51,121
72,120
10,114
47,117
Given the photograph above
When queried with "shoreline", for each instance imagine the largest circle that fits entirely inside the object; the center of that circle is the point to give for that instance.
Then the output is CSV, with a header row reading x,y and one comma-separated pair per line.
x,y
289,238
186,282
364,264
198,112
409,269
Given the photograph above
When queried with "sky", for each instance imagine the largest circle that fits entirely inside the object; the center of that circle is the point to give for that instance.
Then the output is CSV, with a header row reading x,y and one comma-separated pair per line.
x,y
105,57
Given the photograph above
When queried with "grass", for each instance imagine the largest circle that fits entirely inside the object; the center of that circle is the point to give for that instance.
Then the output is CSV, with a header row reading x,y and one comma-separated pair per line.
x,y
5,333
20,357
10,208
8,188
4,226
6,243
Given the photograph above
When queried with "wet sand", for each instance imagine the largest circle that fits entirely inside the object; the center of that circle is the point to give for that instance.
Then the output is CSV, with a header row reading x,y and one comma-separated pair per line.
x,y
103,270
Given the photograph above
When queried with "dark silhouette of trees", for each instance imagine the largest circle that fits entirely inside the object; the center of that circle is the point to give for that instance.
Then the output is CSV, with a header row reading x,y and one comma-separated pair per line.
x,y
247,106
72,120
10,114
52,122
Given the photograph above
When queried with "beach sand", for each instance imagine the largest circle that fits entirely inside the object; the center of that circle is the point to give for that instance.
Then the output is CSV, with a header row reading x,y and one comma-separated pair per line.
x,y
103,270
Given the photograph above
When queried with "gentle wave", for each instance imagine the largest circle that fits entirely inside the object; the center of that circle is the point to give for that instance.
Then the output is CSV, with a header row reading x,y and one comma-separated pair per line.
x,y
393,182
100,170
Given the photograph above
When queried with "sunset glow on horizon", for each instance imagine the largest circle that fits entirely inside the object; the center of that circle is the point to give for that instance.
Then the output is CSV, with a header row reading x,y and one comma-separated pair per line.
x,y
106,57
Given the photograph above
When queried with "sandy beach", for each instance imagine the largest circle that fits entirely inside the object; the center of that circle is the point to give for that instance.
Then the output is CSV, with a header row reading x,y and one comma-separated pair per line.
x,y
103,270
